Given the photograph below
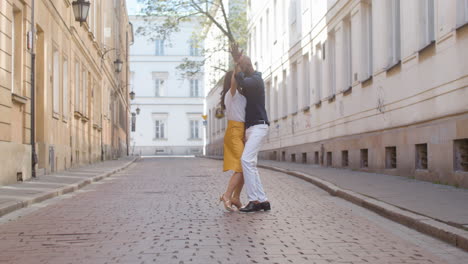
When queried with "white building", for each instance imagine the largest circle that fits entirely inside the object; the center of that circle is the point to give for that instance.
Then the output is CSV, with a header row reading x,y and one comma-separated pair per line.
x,y
371,85
171,105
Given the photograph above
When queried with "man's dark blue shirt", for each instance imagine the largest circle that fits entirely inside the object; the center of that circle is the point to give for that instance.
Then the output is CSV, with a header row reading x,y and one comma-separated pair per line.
x,y
254,91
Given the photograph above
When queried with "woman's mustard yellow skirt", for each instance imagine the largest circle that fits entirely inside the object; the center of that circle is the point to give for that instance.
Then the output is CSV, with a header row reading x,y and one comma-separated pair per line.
x,y
234,146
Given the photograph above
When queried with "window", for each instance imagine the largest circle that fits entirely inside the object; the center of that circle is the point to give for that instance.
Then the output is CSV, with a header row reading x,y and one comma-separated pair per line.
x,y
460,161
306,79
276,19
85,93
293,15
159,47
132,80
294,86
318,73
194,51
77,86
330,58
275,103
427,32
194,129
65,88
13,52
367,52
344,158
285,94
267,30
268,98
56,82
364,158
421,156
16,48
158,87
390,158
254,44
194,88
462,12
260,35
159,129
393,32
347,49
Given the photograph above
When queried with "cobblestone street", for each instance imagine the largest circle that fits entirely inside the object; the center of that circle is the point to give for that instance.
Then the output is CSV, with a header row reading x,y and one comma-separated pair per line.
x,y
165,210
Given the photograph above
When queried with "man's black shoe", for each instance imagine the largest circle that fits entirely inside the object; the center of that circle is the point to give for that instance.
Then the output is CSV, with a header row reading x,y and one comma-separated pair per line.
x,y
252,207
266,206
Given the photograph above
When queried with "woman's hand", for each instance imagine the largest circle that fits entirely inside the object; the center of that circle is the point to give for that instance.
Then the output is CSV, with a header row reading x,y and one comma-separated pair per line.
x,y
236,54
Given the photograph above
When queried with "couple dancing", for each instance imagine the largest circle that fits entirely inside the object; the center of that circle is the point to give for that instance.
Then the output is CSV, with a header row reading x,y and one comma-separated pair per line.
x,y
243,99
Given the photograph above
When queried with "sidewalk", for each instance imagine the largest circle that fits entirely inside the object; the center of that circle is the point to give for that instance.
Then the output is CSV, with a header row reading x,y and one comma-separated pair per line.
x,y
443,203
437,210
24,194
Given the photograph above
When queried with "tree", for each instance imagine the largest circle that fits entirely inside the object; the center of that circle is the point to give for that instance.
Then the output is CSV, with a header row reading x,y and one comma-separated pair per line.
x,y
229,16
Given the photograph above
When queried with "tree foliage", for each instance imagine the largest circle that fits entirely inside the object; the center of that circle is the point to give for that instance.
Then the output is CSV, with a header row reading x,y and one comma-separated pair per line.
x,y
164,17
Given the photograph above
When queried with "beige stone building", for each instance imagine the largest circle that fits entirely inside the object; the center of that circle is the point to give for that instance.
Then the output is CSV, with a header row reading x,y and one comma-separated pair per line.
x,y
370,85
81,101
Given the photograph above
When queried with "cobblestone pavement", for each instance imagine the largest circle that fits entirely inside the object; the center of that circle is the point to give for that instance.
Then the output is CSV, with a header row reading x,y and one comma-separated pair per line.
x,y
165,210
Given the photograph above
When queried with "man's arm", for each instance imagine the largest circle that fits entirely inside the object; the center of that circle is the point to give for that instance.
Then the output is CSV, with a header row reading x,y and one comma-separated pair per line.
x,y
246,82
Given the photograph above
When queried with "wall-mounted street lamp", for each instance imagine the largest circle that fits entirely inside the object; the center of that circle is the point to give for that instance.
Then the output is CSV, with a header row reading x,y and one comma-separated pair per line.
x,y
81,10
118,64
132,95
138,110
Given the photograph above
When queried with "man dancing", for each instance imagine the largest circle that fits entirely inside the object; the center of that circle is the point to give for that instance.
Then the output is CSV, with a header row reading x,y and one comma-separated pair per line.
x,y
256,124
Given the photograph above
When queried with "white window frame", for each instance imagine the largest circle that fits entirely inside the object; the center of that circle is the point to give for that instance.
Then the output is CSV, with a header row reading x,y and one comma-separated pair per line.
x,y
159,129
194,88
194,51
194,129
56,81
159,47
158,87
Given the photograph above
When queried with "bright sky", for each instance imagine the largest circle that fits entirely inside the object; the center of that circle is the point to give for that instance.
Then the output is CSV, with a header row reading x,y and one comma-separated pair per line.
x,y
133,6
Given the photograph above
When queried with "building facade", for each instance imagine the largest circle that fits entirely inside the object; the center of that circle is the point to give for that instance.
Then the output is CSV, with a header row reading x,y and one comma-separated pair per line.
x,y
81,103
169,102
370,85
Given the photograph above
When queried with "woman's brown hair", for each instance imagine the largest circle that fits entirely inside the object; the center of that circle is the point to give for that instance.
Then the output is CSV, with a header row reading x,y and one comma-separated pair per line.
x,y
226,87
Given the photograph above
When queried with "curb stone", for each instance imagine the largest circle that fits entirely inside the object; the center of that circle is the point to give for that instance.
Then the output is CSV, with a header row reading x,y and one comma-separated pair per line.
x,y
424,224
16,205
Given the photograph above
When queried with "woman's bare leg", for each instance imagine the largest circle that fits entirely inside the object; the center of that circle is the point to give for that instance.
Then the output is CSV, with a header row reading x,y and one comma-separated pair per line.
x,y
237,191
233,183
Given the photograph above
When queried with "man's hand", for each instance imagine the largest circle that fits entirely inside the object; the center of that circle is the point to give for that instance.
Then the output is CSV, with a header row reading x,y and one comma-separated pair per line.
x,y
236,54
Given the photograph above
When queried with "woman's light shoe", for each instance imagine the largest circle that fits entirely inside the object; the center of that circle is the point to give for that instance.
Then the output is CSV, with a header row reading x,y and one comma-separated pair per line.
x,y
227,203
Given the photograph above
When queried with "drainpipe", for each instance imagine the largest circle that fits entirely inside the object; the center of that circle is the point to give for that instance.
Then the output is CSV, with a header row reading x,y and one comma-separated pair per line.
x,y
33,94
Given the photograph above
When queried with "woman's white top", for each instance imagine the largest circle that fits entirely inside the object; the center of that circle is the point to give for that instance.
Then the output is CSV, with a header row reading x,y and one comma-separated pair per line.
x,y
235,106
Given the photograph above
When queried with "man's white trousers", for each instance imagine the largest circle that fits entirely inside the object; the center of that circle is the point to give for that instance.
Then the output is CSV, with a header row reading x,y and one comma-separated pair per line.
x,y
254,136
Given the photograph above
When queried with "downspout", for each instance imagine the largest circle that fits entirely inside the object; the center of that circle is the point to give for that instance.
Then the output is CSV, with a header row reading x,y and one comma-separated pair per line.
x,y
33,94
